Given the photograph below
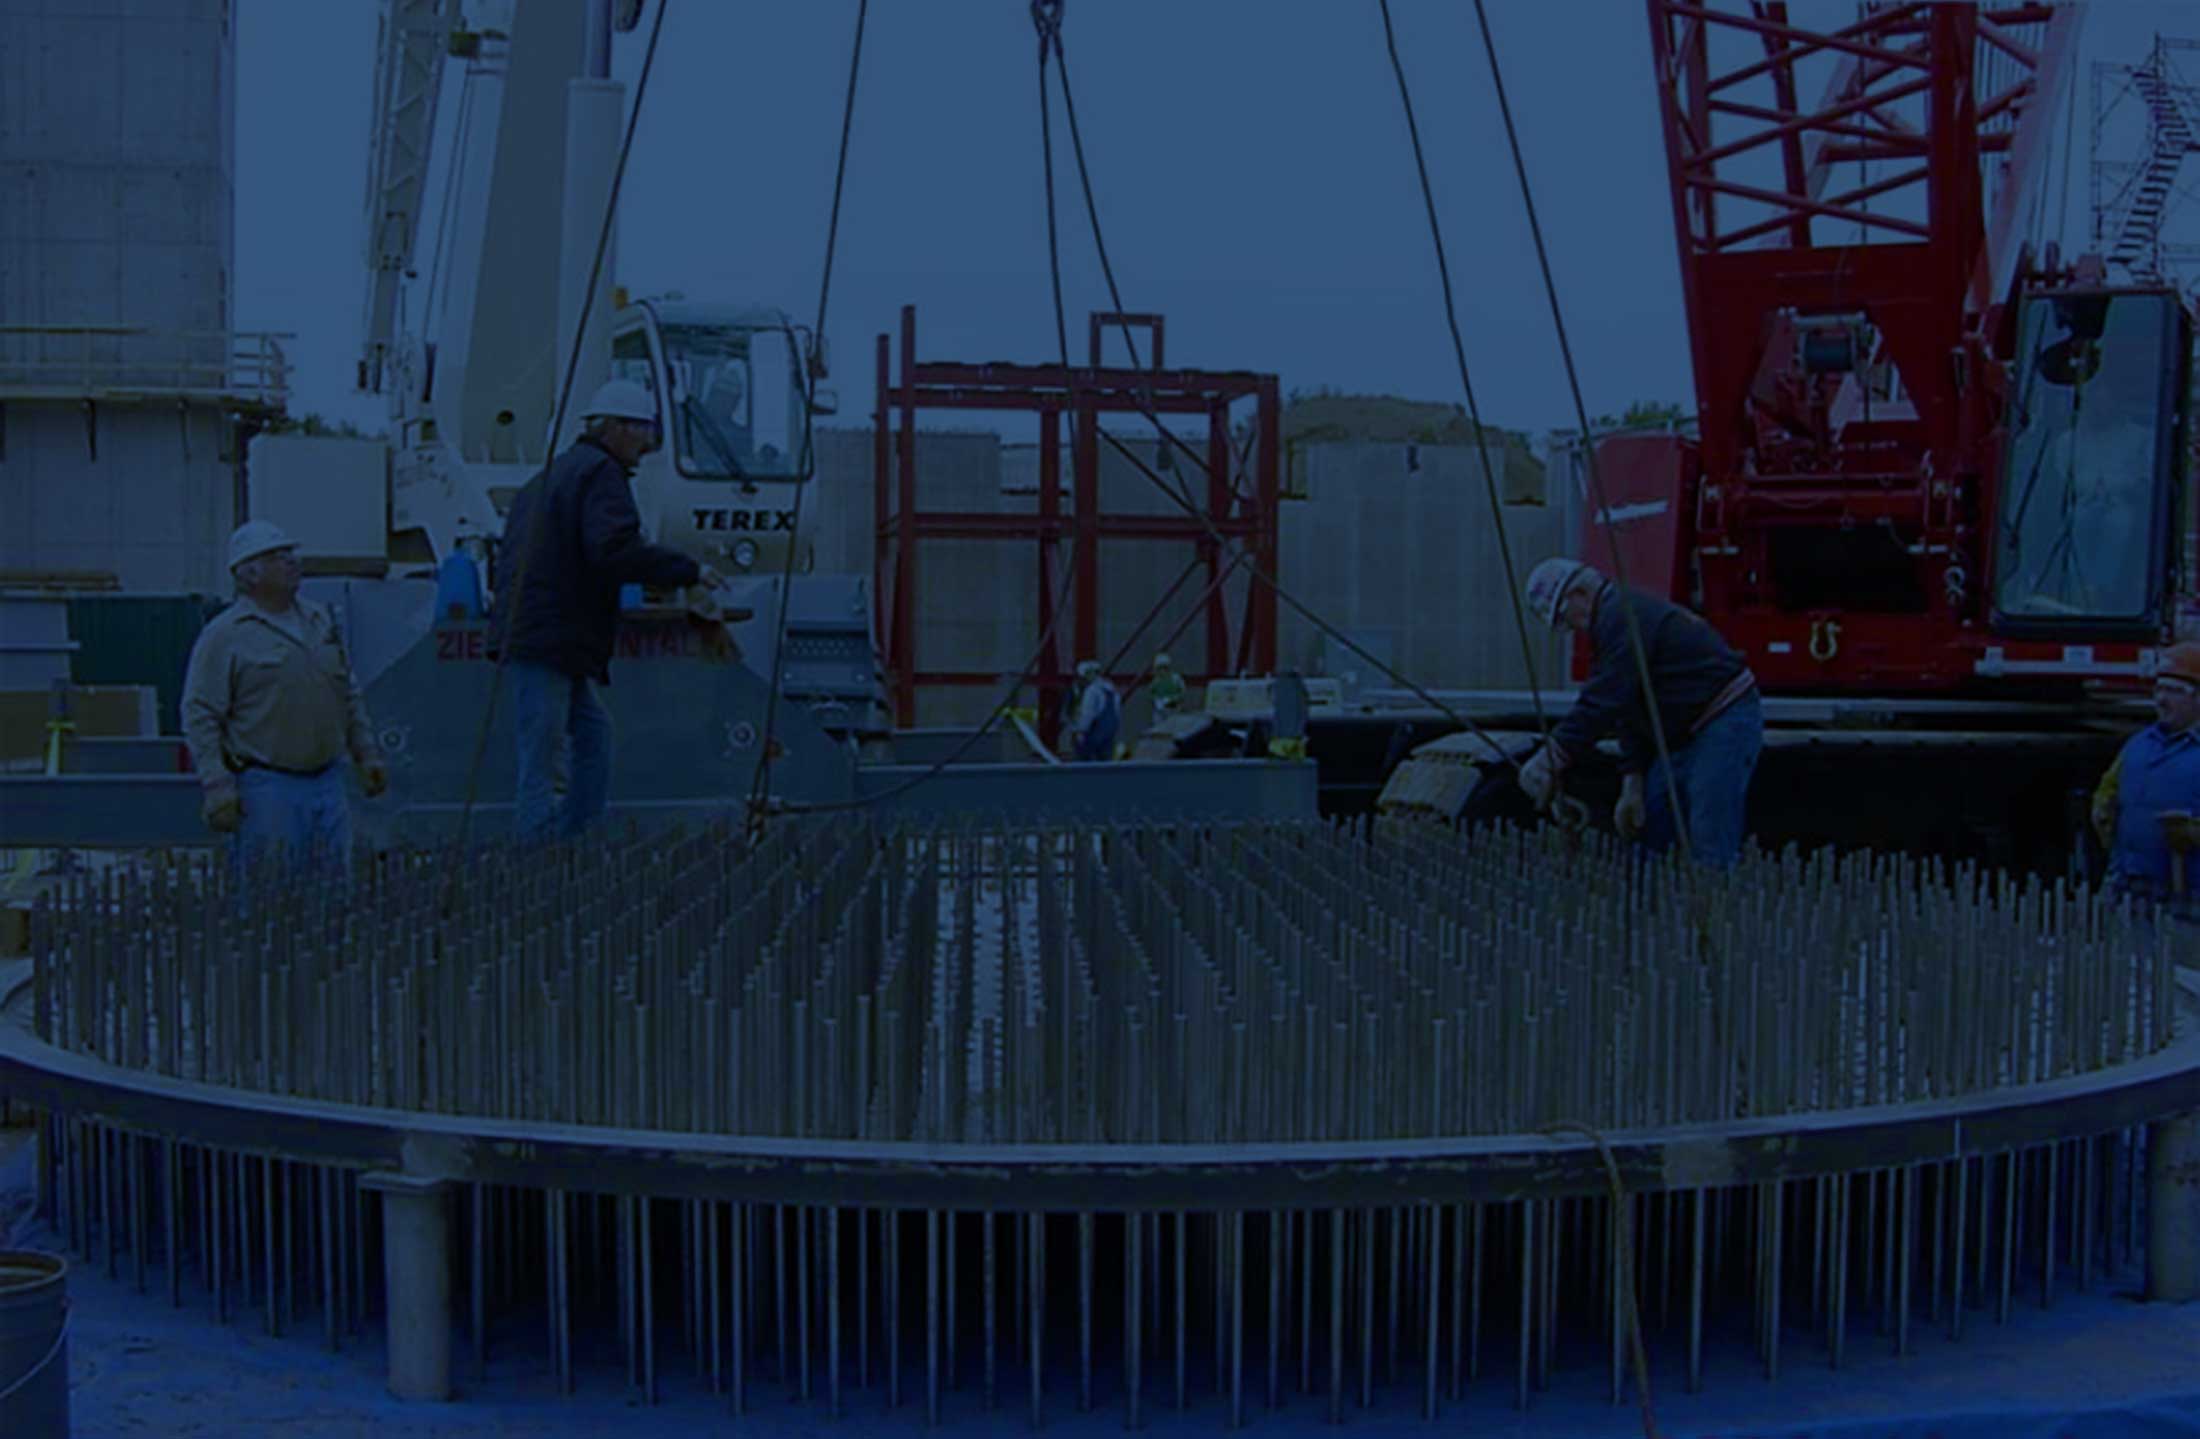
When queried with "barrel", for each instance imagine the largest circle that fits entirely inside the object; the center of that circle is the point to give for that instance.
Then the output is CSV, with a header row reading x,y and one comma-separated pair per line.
x,y
34,1350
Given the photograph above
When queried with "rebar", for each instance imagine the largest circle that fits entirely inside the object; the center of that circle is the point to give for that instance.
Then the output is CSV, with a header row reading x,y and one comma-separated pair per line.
x,y
1150,986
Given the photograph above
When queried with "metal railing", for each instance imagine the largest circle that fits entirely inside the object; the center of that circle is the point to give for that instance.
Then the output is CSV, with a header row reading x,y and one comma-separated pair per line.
x,y
136,362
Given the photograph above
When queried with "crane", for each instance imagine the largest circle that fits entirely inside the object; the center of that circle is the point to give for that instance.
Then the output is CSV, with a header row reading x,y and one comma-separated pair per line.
x,y
473,359
1938,475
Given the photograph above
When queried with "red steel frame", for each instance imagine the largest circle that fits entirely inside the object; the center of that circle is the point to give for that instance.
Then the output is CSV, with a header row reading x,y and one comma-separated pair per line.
x,y
1931,290
1236,513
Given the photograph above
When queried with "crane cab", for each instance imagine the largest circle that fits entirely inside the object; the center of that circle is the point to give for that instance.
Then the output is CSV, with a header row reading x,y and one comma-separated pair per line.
x,y
2090,504
735,413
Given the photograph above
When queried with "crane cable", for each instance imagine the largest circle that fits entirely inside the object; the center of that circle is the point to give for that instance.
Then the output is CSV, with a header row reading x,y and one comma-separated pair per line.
x,y
1046,18
1466,382
1259,574
557,425
1052,33
1044,14
760,785
1597,498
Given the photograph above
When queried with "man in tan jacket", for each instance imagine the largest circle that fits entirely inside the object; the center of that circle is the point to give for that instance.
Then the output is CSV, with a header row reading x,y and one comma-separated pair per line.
x,y
269,707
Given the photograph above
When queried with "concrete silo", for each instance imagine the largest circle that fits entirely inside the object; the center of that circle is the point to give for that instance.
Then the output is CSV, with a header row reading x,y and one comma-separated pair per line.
x,y
124,390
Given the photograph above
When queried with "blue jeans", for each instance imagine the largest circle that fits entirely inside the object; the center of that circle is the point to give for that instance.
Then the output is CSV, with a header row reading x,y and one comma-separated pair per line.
x,y
304,819
562,729
1712,773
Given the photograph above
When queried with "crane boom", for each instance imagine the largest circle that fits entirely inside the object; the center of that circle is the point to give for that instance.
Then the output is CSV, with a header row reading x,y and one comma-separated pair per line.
x,y
408,80
1857,289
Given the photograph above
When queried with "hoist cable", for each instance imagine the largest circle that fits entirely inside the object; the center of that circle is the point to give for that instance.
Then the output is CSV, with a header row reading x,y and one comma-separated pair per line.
x,y
513,591
760,786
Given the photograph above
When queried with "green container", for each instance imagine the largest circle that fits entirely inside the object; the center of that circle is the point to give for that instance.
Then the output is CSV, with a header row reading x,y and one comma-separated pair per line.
x,y
139,640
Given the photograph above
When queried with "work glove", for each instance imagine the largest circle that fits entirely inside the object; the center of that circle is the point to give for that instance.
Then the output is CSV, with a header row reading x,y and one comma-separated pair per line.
x,y
710,580
1633,811
374,779
718,643
1539,777
709,619
222,809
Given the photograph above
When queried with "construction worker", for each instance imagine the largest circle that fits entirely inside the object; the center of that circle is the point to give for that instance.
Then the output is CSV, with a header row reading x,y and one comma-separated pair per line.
x,y
571,540
2145,808
1166,687
1706,700
725,406
269,706
1098,714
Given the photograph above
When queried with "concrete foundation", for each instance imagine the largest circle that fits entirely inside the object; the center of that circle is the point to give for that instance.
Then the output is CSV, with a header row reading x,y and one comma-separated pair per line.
x,y
416,1266
2173,1210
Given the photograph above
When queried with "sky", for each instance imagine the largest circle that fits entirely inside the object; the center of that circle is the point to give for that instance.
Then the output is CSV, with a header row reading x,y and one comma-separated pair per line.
x,y
1250,160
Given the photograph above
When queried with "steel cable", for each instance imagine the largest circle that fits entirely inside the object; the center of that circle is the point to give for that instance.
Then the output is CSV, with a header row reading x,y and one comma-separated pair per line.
x,y
557,426
1466,382
1260,575
760,786
1581,414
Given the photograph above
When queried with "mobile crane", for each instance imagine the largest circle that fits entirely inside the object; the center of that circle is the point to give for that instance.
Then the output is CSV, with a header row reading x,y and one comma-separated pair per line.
x,y
1940,491
474,380
519,307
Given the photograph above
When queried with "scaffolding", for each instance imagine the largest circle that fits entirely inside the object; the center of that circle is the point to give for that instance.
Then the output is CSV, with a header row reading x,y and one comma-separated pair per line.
x,y
1235,526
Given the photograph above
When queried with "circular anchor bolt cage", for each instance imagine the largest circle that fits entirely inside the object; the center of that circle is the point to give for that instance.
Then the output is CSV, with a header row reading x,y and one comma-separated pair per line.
x,y
1326,1109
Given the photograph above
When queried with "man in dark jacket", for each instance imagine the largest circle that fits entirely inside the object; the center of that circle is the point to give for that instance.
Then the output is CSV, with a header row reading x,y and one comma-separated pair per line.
x,y
1706,700
571,539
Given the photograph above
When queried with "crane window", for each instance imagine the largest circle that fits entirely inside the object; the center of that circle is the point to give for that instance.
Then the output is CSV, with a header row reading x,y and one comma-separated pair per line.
x,y
630,360
2084,503
730,389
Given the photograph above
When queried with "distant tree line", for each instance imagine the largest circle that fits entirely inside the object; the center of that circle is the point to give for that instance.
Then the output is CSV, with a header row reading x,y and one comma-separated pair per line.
x,y
320,427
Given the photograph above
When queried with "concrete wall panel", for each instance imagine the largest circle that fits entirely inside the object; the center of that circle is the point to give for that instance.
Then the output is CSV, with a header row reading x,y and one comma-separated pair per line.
x,y
18,68
18,289
19,203
169,207
153,508
172,287
169,99
81,285
79,204
74,108
1403,561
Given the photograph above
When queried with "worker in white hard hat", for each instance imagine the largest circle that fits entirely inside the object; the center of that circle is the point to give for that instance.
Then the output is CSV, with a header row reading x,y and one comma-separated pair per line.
x,y
1166,687
270,705
571,539
1098,716
1706,700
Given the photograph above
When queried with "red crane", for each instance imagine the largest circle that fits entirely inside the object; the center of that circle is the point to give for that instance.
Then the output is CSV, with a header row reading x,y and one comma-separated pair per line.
x,y
1931,462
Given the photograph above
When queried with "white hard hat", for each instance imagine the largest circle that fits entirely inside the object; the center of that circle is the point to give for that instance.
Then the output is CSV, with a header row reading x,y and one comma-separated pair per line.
x,y
254,538
1161,661
621,400
1087,669
1547,585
